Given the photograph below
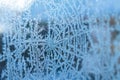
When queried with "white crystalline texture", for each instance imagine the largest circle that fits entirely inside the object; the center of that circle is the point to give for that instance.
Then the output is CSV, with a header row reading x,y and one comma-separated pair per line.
x,y
58,40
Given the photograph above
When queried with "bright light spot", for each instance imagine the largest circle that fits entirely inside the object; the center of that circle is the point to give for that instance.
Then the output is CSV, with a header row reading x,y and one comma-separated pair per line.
x,y
16,5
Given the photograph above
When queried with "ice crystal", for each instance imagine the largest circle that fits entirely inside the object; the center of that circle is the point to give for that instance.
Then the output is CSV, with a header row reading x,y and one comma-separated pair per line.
x,y
59,40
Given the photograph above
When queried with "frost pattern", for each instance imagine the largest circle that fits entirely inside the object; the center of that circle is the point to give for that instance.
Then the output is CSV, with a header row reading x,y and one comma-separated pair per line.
x,y
71,43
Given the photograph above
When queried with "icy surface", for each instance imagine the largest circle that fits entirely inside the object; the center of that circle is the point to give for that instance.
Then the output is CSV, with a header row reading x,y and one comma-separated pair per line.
x,y
59,40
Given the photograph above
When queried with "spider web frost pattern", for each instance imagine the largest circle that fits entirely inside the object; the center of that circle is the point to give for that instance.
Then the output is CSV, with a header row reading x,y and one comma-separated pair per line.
x,y
70,45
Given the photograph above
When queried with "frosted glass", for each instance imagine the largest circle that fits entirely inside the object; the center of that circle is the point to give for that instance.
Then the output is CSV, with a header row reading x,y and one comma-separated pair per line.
x,y
59,40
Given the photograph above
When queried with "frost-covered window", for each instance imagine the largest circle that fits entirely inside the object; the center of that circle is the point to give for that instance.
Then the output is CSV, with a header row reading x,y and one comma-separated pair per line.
x,y
59,40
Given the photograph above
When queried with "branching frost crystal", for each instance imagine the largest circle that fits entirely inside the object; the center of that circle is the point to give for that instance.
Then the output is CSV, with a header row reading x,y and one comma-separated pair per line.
x,y
60,40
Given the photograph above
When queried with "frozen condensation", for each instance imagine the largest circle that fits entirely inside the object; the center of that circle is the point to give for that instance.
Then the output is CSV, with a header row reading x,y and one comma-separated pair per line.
x,y
59,40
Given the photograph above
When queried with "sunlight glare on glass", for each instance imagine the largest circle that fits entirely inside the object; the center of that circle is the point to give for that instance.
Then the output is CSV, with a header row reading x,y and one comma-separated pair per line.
x,y
16,5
